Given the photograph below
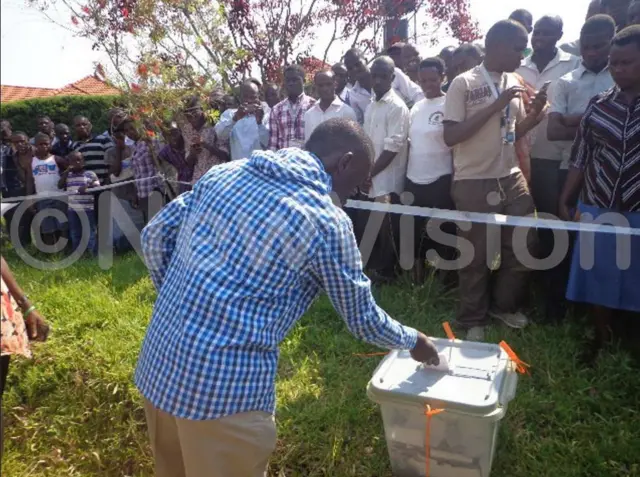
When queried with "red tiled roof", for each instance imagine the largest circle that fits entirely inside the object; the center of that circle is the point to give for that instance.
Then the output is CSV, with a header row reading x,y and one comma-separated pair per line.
x,y
16,93
87,86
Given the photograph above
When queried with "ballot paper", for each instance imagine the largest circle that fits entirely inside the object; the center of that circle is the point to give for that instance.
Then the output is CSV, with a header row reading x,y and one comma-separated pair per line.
x,y
442,366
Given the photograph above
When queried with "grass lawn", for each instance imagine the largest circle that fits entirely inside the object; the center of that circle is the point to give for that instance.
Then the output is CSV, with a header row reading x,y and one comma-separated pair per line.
x,y
73,409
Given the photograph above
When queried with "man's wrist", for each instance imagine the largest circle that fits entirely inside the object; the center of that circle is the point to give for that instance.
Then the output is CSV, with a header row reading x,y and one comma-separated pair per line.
x,y
411,339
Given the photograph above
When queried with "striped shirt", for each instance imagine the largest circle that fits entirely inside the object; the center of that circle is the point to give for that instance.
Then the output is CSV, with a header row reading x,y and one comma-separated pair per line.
x,y
286,122
76,180
93,150
607,149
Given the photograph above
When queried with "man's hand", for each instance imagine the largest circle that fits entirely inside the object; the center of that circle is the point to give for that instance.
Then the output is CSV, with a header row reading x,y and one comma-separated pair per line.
x,y
241,112
37,328
259,112
425,351
507,95
564,211
82,190
539,102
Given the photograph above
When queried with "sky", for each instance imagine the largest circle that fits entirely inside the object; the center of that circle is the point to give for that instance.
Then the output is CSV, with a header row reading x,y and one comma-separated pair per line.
x,y
35,52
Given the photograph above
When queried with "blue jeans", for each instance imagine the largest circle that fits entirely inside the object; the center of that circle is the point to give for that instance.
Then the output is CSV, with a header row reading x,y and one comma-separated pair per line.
x,y
75,229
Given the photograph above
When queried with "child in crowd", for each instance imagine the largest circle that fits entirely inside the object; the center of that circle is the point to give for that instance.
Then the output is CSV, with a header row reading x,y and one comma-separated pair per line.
x,y
174,154
118,159
45,174
77,180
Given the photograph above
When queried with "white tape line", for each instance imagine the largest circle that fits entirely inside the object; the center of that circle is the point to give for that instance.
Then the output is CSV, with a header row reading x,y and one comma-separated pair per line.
x,y
491,219
173,181
50,195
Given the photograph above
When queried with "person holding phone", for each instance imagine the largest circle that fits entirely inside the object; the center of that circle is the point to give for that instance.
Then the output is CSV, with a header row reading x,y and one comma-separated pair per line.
x,y
203,148
484,116
245,127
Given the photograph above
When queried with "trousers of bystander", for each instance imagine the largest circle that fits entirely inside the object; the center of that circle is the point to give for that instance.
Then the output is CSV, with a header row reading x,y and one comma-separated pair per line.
x,y
547,181
233,446
435,195
503,290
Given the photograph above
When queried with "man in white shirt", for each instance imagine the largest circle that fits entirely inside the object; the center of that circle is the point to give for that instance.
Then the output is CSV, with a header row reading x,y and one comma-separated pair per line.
x,y
574,90
244,127
361,92
569,101
329,106
542,70
341,77
386,122
484,117
356,64
545,66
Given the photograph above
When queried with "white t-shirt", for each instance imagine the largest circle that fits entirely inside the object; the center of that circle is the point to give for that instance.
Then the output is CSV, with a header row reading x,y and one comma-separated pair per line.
x,y
429,157
45,174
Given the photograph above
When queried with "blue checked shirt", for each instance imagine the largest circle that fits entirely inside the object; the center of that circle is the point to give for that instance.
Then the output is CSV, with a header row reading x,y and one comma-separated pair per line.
x,y
236,262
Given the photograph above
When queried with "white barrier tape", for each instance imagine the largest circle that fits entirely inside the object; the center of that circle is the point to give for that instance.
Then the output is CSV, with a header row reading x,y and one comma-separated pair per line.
x,y
50,195
173,181
483,218
490,219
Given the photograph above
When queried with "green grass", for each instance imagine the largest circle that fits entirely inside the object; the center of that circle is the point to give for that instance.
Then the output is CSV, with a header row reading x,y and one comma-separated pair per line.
x,y
74,411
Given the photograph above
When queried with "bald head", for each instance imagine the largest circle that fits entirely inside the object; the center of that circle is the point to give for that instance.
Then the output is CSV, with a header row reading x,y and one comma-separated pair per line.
x,y
249,92
383,63
346,152
382,75
323,81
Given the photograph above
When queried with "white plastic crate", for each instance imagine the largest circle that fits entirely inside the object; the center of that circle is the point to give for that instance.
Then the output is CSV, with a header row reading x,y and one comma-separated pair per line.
x,y
474,394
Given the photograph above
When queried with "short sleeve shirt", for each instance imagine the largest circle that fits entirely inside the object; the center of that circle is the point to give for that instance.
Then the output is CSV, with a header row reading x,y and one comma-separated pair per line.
x,y
485,155
573,93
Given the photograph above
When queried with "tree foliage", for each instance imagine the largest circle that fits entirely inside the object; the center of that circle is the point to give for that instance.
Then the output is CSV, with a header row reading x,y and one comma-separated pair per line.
x,y
191,44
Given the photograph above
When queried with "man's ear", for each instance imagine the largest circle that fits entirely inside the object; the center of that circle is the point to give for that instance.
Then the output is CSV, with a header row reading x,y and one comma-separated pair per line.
x,y
345,162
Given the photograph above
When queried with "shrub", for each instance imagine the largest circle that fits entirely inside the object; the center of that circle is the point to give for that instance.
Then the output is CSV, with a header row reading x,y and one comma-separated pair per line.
x,y
61,109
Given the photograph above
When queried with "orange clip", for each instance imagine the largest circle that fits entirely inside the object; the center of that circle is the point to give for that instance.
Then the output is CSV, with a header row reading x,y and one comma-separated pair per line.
x,y
448,330
427,441
521,366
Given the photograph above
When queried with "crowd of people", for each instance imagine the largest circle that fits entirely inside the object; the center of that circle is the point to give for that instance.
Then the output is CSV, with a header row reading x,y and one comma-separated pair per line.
x,y
250,231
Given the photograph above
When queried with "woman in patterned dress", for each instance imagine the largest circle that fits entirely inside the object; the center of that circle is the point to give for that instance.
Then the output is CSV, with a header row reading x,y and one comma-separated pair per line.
x,y
202,146
21,322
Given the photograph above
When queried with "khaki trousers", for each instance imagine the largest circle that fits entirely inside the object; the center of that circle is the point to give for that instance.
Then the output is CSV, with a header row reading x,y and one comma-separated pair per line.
x,y
479,290
233,446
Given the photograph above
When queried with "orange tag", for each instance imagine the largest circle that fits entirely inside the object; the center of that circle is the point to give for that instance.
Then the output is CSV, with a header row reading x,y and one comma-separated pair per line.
x,y
448,330
521,366
427,440
432,412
